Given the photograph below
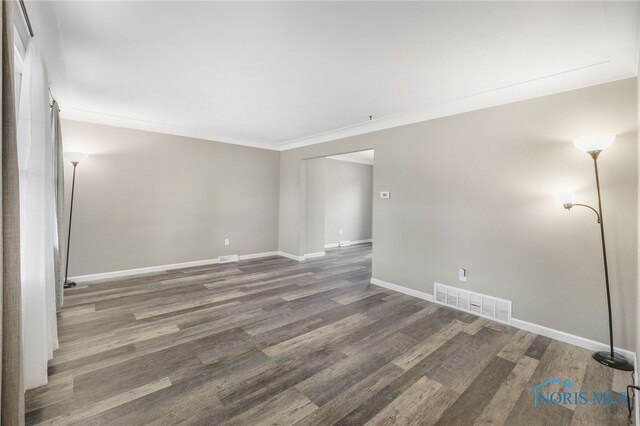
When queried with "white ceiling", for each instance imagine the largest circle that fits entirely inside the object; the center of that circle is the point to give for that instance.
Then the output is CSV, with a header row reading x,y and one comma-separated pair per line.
x,y
363,157
287,74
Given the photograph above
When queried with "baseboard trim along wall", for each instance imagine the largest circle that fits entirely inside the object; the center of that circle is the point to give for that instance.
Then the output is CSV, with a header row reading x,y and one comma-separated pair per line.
x,y
160,268
572,339
523,325
300,258
335,245
316,254
562,336
258,255
290,256
401,289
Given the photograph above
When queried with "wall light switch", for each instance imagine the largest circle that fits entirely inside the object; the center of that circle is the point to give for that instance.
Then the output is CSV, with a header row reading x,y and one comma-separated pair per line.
x,y
226,241
462,274
385,194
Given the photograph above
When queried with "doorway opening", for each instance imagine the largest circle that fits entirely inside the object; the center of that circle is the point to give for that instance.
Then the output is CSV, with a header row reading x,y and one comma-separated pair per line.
x,y
339,202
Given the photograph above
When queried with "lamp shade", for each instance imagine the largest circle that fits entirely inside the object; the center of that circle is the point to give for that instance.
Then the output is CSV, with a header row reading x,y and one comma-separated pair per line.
x,y
75,157
594,143
565,197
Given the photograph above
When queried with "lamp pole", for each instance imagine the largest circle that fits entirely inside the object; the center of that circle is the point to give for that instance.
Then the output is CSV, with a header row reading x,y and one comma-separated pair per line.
x,y
67,283
74,158
594,155
593,147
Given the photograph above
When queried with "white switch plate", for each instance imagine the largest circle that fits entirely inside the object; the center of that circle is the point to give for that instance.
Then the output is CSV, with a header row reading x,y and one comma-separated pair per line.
x,y
385,194
462,274
226,241
340,231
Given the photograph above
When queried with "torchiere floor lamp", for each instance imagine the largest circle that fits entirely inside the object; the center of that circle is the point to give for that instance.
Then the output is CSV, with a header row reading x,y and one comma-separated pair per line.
x,y
75,158
593,146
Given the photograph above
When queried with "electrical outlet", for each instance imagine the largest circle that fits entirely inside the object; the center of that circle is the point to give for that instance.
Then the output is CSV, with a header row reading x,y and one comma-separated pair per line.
x,y
385,195
340,231
462,274
226,241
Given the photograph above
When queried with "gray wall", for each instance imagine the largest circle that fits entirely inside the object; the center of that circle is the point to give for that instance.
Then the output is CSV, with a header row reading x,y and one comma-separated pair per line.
x,y
148,199
314,207
475,191
348,201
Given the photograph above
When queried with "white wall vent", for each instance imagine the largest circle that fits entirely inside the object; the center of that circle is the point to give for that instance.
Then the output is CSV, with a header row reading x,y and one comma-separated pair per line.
x,y
229,258
475,303
345,243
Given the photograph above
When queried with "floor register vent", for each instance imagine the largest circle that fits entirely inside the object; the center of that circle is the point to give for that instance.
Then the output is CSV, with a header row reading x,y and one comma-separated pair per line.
x,y
229,258
475,303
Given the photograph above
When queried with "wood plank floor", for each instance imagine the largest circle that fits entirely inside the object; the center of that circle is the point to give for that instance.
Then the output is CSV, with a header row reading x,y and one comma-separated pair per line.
x,y
274,341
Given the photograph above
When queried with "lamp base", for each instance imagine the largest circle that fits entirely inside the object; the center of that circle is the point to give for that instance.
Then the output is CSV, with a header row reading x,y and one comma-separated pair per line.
x,y
69,284
617,361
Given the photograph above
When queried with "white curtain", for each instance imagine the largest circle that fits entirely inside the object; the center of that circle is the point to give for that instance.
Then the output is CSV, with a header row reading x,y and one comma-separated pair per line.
x,y
37,220
58,181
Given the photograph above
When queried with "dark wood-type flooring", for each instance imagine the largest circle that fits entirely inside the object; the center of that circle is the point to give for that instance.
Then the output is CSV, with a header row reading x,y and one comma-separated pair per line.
x,y
275,341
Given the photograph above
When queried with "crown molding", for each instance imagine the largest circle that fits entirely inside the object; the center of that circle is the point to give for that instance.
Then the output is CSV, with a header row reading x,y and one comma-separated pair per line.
x,y
151,126
548,85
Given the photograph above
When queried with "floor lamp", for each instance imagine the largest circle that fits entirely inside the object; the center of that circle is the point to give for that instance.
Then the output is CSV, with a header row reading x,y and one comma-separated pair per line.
x,y
593,146
75,158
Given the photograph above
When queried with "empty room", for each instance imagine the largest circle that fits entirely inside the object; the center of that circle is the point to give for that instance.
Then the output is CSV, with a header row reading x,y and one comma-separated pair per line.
x,y
320,213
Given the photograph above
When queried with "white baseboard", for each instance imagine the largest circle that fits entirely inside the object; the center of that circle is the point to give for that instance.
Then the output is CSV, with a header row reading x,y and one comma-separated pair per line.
x,y
160,268
401,289
316,254
334,245
524,325
258,255
572,339
361,241
290,256
300,258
